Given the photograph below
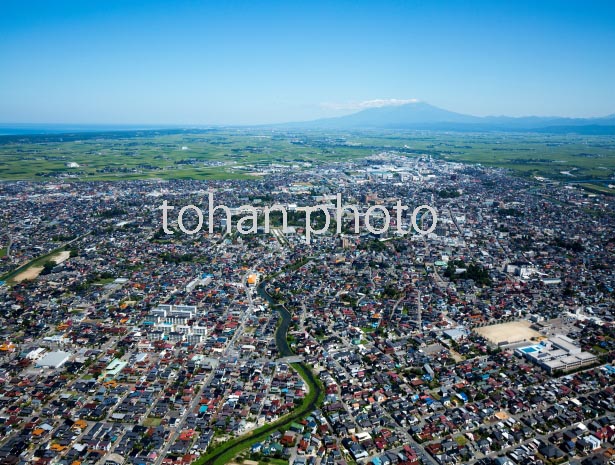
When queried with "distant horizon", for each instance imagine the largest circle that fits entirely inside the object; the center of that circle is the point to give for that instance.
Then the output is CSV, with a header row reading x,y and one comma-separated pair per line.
x,y
197,125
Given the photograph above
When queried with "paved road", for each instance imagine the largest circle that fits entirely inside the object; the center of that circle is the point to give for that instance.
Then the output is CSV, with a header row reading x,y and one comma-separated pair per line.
x,y
176,430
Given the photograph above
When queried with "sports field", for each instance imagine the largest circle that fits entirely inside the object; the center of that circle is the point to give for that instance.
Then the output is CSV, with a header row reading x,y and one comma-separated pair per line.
x,y
508,333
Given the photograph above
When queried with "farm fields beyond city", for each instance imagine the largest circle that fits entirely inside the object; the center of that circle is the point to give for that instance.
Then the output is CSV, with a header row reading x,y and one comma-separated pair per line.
x,y
244,153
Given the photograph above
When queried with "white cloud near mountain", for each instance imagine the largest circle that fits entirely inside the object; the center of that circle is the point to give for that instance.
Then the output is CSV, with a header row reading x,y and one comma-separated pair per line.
x,y
375,103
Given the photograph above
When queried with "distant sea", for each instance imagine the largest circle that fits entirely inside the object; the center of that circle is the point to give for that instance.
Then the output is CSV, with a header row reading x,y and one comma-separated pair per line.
x,y
8,129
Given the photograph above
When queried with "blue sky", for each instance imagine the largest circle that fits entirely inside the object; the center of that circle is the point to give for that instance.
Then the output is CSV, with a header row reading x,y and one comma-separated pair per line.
x,y
243,62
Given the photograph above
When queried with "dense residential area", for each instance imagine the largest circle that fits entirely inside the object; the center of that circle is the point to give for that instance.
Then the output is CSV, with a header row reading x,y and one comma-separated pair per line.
x,y
307,232
489,340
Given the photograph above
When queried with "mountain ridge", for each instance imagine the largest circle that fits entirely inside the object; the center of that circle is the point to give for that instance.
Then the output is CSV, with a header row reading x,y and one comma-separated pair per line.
x,y
421,115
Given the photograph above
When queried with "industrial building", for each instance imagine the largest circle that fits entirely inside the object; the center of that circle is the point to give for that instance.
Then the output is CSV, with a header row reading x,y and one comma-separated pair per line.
x,y
53,360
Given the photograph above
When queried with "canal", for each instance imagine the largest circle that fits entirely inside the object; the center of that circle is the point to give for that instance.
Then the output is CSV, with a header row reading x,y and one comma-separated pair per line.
x,y
281,333
225,452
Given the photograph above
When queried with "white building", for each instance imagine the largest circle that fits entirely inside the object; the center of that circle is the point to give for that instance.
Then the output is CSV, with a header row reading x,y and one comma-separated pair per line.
x,y
54,359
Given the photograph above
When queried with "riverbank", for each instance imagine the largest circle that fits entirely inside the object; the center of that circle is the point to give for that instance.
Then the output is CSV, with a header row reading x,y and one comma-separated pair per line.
x,y
33,268
225,452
